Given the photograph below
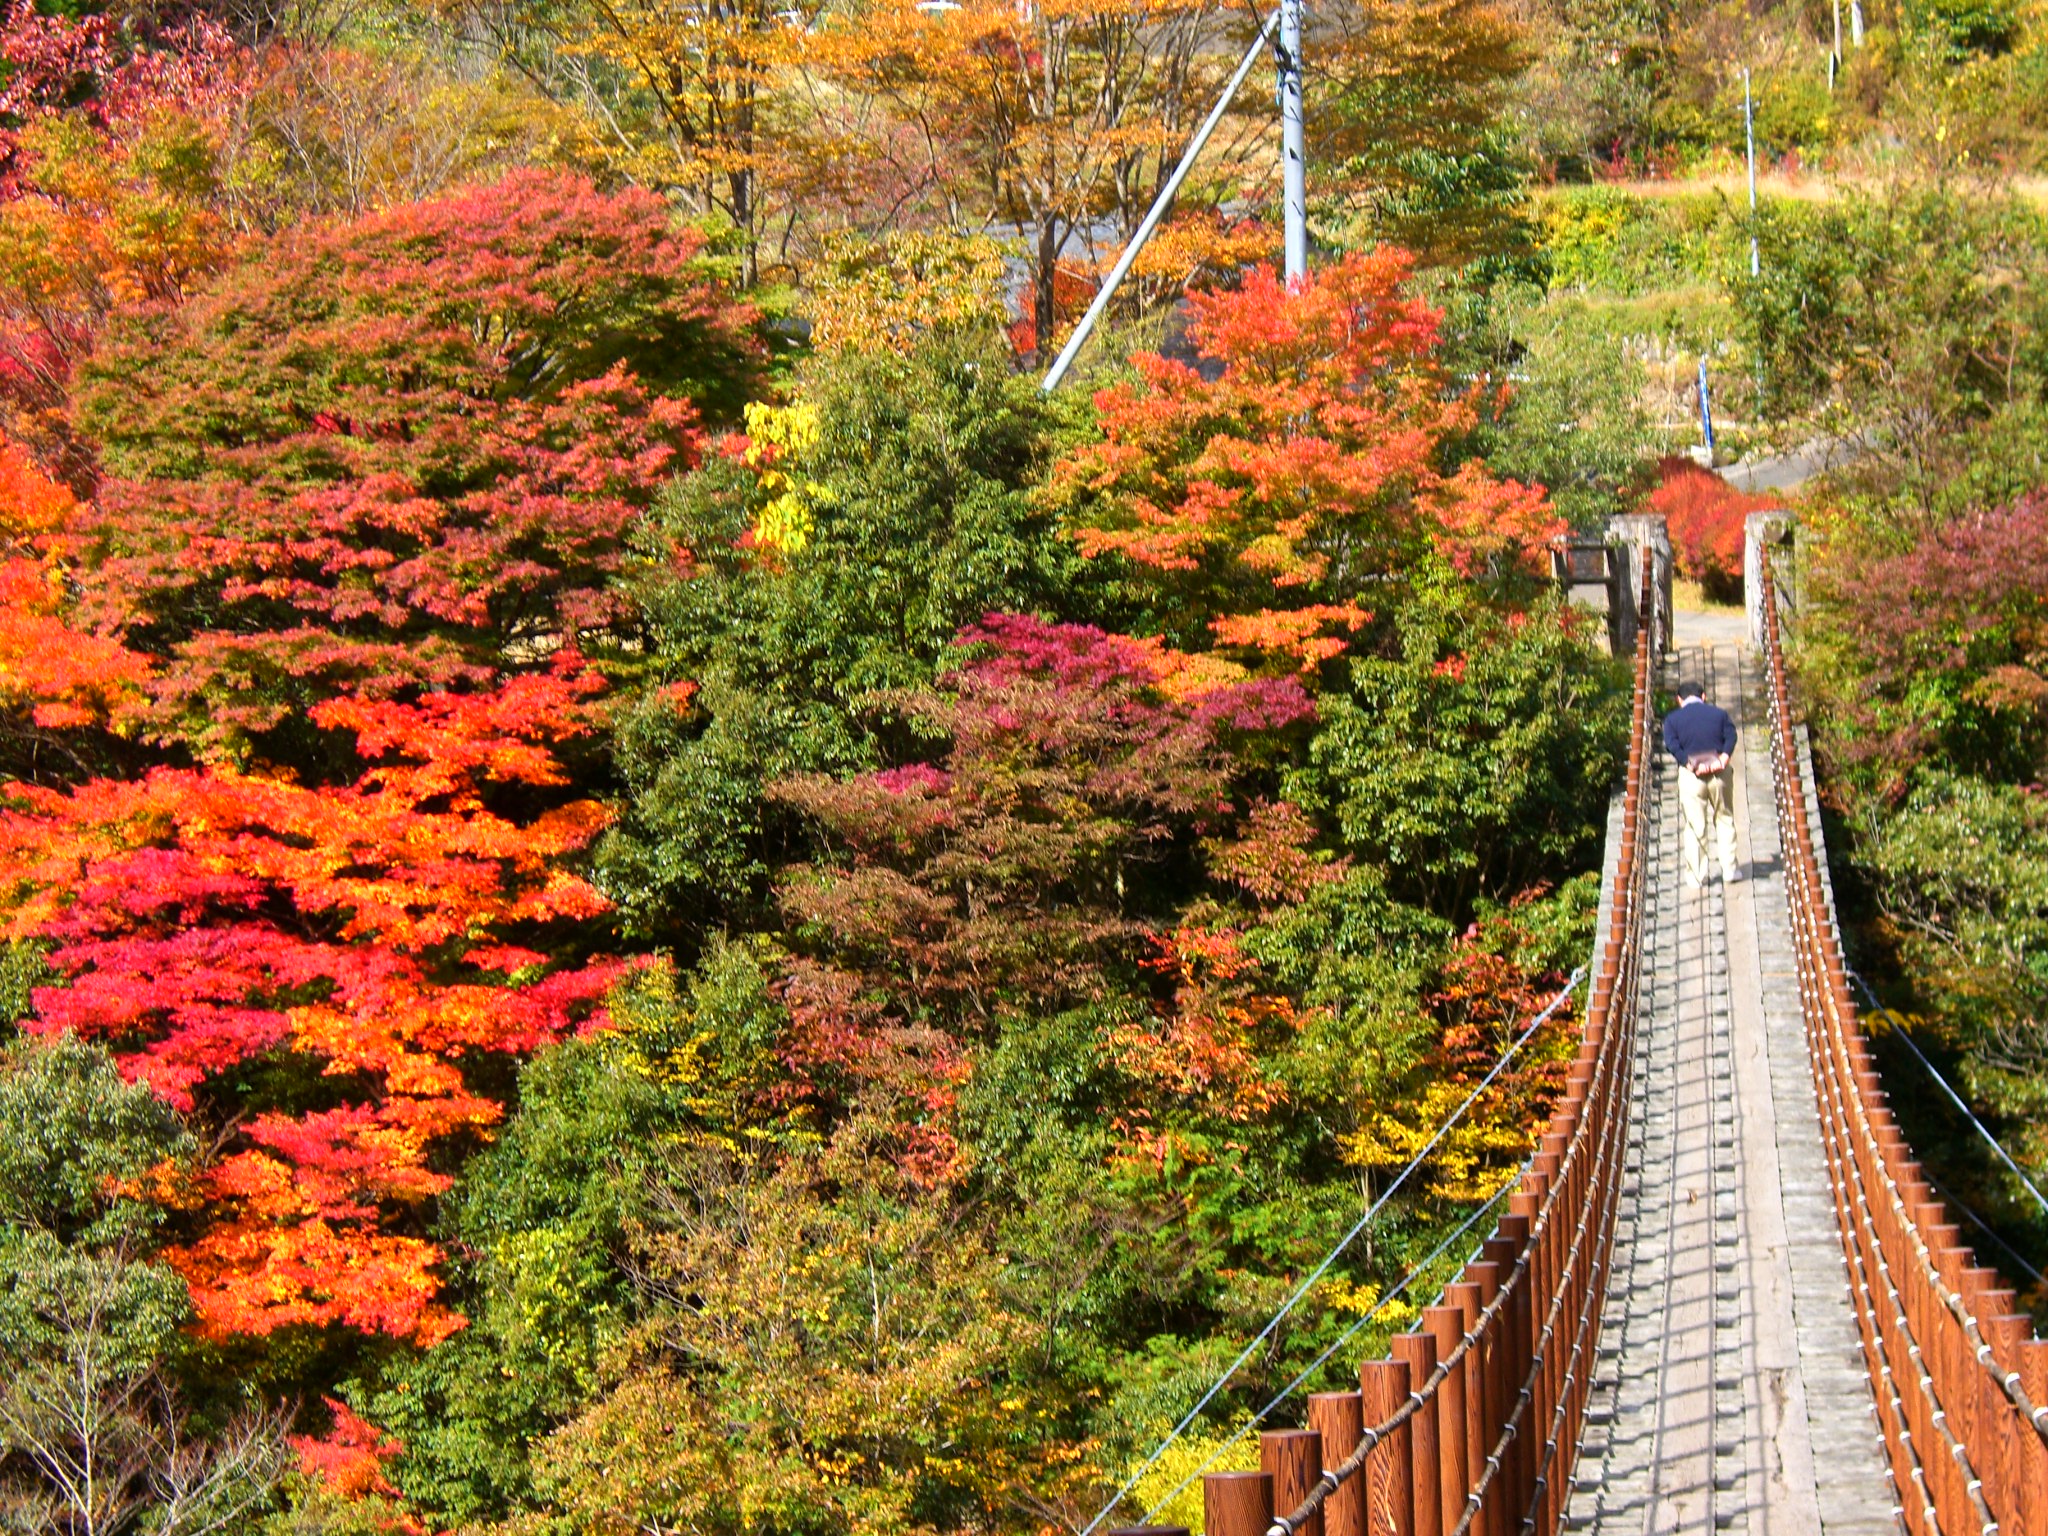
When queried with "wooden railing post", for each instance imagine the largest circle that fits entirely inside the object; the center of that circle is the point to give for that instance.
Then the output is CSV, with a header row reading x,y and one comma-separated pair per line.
x,y
1339,1417
1237,1503
1293,1458
1446,1325
1390,1468
1490,1433
1949,1360
1417,1351
1469,1297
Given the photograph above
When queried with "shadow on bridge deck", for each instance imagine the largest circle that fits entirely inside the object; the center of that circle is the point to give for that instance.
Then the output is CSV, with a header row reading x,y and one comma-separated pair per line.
x,y
1730,1393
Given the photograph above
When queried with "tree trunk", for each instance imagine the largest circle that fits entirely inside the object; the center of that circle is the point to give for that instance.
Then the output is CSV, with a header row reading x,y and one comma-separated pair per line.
x,y
1043,316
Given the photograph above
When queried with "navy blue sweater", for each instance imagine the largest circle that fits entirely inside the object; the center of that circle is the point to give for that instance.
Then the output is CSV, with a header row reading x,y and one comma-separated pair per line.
x,y
1693,729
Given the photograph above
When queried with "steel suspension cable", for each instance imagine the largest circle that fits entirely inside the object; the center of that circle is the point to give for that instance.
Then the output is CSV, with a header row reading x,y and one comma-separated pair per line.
x,y
1609,1084
1421,1267
2007,1381
1953,1097
1548,1012
1949,1197
1861,1158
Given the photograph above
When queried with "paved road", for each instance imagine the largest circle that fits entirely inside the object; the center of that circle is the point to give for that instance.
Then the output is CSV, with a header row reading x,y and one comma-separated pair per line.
x,y
1710,626
1730,1392
1784,471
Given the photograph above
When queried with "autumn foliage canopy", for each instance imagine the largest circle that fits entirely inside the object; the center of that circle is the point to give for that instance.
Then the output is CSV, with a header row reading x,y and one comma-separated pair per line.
x,y
1308,457
636,879
359,506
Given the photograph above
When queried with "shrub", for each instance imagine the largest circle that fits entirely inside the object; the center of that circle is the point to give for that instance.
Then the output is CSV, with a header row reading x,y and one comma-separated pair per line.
x,y
1475,758
1931,655
1705,515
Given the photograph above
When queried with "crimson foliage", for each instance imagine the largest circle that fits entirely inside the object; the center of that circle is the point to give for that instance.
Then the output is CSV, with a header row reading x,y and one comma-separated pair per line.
x,y
400,452
1937,654
202,922
1705,515
1012,874
363,502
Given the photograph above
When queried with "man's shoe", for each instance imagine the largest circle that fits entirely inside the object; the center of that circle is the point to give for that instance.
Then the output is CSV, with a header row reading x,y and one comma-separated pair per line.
x,y
1734,877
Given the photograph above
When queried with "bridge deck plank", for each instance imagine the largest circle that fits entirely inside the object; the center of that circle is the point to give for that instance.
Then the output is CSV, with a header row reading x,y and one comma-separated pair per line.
x,y
1730,1393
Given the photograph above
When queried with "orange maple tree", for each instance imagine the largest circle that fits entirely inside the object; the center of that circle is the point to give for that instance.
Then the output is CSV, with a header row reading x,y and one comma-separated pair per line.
x,y
385,934
59,675
1264,493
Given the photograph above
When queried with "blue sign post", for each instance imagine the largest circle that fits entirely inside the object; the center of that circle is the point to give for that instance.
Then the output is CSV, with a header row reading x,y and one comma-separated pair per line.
x,y
1706,413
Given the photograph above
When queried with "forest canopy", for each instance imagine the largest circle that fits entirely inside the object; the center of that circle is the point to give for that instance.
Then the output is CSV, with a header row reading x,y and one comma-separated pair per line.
x,y
642,889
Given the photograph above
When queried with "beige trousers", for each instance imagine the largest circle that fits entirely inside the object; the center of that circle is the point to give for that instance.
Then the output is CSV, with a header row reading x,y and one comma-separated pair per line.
x,y
1708,806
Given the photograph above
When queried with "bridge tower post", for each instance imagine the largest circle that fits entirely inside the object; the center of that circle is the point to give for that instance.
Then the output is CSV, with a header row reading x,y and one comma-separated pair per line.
x,y
1761,530
1632,531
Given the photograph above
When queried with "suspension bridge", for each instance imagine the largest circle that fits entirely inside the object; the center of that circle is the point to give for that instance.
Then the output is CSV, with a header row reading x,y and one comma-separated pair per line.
x,y
1721,1296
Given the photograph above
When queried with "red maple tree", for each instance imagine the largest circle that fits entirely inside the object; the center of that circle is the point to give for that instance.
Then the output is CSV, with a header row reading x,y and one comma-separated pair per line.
x,y
395,453
1706,516
363,500
384,932
107,196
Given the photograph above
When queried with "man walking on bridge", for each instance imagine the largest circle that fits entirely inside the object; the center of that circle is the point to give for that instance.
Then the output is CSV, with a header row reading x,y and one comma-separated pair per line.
x,y
1701,737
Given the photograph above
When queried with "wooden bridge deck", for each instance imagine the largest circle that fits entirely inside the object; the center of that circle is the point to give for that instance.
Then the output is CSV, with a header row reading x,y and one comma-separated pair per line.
x,y
1730,1393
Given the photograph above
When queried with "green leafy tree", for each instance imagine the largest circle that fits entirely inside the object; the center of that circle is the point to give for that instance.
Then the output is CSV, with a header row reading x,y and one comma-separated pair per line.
x,y
547,1219
1912,323
1413,144
1477,757
94,1434
898,509
1572,420
826,1352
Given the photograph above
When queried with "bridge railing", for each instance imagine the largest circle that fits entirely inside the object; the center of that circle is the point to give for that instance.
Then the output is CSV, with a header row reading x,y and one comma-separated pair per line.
x,y
1470,1427
1960,1380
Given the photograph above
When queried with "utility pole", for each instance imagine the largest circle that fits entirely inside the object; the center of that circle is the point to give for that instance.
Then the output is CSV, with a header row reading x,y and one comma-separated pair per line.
x,y
1749,143
1835,58
1293,153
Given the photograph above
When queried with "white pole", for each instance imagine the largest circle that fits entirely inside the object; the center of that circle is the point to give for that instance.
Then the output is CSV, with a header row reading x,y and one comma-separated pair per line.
x,y
1856,22
1157,211
1749,142
1293,154
1835,58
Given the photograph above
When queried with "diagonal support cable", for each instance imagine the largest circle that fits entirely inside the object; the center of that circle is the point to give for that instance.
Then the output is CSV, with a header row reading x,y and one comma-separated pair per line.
x,y
1286,1307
